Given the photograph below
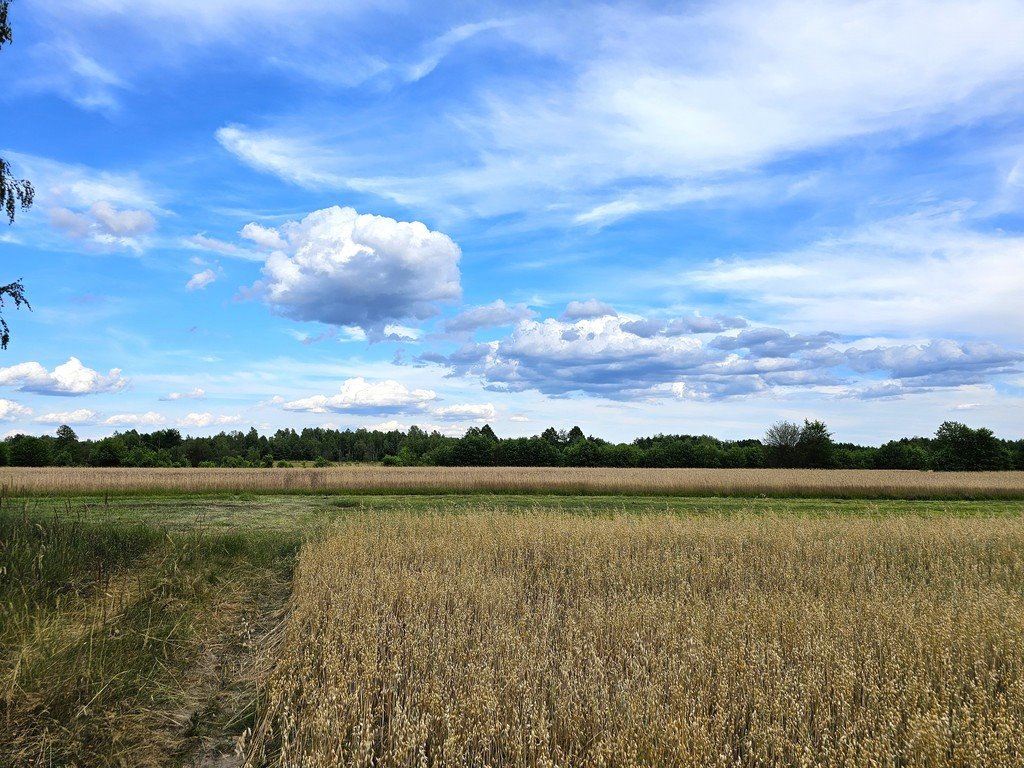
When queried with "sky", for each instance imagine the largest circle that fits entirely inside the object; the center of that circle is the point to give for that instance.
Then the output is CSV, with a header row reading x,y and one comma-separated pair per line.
x,y
641,218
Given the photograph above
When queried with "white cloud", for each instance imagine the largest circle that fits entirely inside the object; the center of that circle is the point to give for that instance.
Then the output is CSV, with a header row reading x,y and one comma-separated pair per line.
x,y
497,313
207,419
518,417
10,410
265,237
644,110
401,332
927,273
200,280
196,394
63,68
202,242
147,419
479,412
301,162
104,226
451,430
391,425
579,310
70,378
79,416
345,268
357,395
639,359
443,45
108,211
932,363
733,86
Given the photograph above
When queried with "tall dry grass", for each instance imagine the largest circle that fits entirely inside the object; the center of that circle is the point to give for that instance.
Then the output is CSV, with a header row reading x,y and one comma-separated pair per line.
x,y
550,640
560,480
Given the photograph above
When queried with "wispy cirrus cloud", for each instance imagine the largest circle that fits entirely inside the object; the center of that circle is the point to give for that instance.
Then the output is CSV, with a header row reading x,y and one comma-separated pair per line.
x,y
651,110
927,272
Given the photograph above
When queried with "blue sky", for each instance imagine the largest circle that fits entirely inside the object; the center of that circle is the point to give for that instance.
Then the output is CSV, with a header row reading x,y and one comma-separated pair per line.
x,y
636,217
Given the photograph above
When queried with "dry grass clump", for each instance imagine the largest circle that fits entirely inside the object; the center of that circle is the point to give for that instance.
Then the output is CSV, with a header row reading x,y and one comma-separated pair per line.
x,y
550,640
838,483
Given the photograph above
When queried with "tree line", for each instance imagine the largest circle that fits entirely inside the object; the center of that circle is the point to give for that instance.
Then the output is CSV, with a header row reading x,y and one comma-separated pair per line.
x,y
954,446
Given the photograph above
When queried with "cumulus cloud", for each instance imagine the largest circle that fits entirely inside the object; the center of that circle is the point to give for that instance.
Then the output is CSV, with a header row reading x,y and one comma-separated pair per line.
x,y
451,430
104,226
79,416
71,378
497,313
207,419
196,394
604,356
10,410
265,237
773,342
360,396
147,419
479,412
681,326
938,361
579,310
200,280
344,268
396,332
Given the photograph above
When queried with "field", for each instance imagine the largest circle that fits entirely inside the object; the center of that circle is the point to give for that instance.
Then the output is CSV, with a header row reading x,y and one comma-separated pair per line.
x,y
508,629
548,639
365,479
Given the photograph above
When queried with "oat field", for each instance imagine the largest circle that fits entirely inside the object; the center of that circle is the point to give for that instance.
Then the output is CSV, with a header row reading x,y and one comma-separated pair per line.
x,y
819,483
546,639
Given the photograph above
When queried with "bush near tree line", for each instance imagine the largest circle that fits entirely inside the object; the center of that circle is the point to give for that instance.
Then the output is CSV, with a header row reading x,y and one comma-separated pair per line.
x,y
955,447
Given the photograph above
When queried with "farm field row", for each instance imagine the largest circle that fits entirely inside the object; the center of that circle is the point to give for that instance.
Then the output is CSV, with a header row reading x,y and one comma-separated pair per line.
x,y
364,479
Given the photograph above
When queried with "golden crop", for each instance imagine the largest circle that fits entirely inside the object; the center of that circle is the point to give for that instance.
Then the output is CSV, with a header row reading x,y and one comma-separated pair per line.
x,y
564,480
552,640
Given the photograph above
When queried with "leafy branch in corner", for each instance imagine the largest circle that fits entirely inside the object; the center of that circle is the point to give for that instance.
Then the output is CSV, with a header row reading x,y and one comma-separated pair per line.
x,y
15,292
13,192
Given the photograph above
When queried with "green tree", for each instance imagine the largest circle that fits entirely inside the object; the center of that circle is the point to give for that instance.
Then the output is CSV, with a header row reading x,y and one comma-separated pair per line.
x,y
13,193
902,454
29,451
814,447
475,449
781,440
957,447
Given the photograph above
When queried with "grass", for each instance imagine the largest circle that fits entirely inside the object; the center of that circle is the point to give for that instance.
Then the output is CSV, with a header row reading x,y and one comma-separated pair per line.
x,y
778,483
546,639
129,644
